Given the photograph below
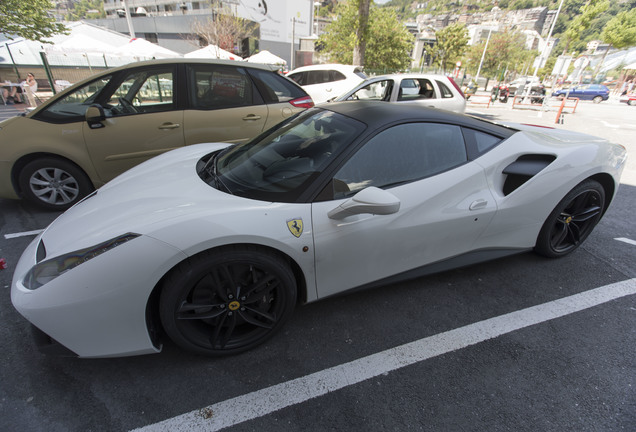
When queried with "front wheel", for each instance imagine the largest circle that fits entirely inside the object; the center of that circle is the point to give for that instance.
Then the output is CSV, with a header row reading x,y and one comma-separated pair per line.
x,y
631,102
597,99
572,220
227,301
53,183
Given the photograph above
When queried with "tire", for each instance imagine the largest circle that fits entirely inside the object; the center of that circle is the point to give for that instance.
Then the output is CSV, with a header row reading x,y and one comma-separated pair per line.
x,y
631,102
53,184
572,220
597,99
227,301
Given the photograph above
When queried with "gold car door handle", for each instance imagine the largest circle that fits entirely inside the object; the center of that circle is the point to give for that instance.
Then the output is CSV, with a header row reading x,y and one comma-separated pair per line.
x,y
252,117
169,126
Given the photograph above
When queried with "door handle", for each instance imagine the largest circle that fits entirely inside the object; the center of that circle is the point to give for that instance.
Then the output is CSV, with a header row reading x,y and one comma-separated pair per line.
x,y
169,126
252,117
478,204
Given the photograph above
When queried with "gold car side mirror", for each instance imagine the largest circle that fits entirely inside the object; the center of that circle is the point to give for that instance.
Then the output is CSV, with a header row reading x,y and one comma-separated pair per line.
x,y
94,116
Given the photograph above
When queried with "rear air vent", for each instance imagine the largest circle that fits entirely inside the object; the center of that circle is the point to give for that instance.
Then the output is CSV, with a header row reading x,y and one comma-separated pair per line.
x,y
523,169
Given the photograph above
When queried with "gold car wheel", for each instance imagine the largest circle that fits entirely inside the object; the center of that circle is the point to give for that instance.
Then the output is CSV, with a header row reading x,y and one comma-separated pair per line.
x,y
53,183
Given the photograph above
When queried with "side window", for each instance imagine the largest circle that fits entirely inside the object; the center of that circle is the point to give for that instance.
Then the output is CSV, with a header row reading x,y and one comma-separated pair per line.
x,y
275,88
74,105
143,92
479,142
402,154
318,77
299,77
216,87
444,90
334,75
411,89
379,90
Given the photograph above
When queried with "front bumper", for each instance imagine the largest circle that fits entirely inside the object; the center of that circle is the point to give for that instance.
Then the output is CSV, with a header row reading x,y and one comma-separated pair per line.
x,y
98,309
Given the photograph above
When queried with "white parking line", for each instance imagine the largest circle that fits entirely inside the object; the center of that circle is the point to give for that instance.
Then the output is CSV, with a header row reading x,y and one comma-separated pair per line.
x,y
274,398
22,234
626,240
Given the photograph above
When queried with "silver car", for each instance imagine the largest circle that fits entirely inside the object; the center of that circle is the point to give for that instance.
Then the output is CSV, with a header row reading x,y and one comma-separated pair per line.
x,y
436,91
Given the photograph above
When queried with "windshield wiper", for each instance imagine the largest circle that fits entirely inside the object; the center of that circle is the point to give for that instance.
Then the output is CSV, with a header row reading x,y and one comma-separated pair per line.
x,y
210,169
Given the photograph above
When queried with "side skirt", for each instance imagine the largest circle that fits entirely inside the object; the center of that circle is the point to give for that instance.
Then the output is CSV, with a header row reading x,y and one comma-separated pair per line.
x,y
464,260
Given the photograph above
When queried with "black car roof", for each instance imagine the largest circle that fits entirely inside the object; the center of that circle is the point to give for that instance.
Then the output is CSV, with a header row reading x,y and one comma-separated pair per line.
x,y
379,113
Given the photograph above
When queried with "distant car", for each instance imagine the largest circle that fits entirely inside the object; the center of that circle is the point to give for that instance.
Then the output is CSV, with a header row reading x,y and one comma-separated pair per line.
x,y
95,130
435,91
213,246
629,99
325,82
594,92
532,82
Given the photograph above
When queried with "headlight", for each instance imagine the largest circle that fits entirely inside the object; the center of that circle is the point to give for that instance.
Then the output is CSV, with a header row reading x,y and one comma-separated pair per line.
x,y
48,270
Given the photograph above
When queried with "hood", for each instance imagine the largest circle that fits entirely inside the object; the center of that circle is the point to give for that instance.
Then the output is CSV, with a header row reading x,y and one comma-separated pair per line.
x,y
143,200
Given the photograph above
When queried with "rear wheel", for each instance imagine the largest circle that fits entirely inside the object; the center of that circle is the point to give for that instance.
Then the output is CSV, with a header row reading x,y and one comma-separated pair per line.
x,y
52,183
572,220
227,301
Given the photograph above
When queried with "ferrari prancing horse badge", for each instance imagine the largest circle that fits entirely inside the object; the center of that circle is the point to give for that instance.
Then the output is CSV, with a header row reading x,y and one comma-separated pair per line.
x,y
295,226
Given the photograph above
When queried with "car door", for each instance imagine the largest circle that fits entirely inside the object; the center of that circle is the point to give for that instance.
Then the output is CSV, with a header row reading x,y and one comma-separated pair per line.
x,y
376,90
223,105
444,205
142,120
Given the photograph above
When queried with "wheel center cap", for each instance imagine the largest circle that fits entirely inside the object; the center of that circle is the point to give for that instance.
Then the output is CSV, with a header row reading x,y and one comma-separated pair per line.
x,y
568,220
234,305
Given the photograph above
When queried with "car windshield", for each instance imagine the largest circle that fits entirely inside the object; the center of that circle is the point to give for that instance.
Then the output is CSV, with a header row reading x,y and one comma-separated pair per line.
x,y
279,165
73,106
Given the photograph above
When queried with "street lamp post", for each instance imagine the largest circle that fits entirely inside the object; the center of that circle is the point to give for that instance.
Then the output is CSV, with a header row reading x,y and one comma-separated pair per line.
x,y
483,55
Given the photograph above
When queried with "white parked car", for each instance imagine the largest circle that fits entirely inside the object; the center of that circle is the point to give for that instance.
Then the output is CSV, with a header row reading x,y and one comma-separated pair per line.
x,y
325,82
213,245
435,91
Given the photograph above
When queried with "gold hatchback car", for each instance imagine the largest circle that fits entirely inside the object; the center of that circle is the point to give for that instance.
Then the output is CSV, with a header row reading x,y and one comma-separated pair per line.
x,y
100,127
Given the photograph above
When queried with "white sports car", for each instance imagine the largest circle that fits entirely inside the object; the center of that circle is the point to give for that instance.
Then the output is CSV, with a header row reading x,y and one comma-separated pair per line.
x,y
213,245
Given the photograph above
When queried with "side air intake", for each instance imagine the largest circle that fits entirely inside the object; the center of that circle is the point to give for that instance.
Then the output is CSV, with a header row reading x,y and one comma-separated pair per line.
x,y
523,169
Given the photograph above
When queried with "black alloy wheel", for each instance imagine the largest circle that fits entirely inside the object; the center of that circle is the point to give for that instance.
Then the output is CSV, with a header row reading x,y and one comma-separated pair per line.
x,y
572,221
227,301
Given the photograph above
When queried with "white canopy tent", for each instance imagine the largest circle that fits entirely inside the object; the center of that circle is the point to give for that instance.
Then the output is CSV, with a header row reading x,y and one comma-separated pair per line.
x,y
81,44
142,48
212,52
266,57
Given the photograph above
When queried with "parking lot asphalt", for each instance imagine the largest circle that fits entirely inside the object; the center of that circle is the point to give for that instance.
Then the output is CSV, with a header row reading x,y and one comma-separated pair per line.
x,y
571,372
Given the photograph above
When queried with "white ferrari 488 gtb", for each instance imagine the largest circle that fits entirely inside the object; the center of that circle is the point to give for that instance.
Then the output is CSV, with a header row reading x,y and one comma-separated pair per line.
x,y
213,245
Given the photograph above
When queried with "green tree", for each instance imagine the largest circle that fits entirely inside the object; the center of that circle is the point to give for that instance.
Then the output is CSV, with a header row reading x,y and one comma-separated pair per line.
x,y
620,32
86,9
388,42
505,51
450,45
583,21
362,31
29,20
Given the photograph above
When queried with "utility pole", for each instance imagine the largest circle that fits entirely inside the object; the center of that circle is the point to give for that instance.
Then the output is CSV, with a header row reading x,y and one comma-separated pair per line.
x,y
131,30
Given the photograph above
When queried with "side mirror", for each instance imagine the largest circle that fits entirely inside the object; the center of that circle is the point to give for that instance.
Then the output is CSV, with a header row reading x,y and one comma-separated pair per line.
x,y
370,200
95,116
